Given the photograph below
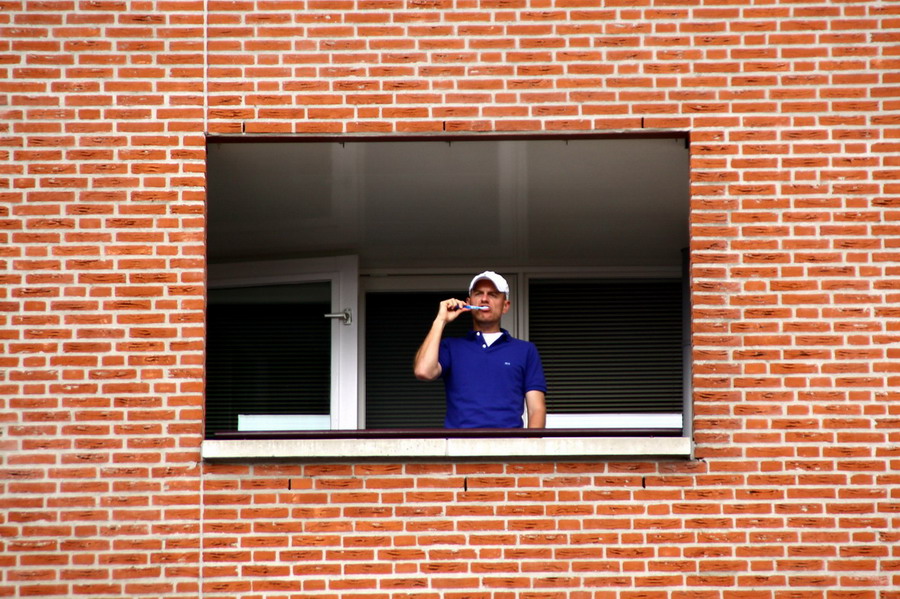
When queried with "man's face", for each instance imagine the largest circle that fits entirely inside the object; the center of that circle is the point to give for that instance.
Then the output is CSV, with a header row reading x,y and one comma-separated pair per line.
x,y
485,293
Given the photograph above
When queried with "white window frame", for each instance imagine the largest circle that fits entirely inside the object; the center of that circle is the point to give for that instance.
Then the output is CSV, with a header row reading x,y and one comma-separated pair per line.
x,y
622,420
342,272
516,322
349,373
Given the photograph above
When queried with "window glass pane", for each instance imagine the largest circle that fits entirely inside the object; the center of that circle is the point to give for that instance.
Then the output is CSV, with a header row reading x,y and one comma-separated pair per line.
x,y
268,352
609,346
396,324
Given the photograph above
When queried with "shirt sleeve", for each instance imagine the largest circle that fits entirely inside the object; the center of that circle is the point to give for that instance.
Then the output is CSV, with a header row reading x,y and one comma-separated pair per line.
x,y
444,356
534,373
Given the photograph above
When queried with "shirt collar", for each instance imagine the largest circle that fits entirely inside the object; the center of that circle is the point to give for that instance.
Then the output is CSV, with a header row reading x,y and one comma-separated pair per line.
x,y
474,335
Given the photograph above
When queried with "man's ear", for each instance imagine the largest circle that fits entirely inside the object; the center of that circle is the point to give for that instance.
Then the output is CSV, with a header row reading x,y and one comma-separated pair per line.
x,y
506,306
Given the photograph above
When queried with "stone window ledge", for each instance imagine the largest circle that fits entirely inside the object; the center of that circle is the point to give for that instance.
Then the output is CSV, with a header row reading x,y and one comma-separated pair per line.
x,y
446,445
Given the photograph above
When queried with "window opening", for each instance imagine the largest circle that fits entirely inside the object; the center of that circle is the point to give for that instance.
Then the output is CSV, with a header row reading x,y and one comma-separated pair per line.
x,y
550,211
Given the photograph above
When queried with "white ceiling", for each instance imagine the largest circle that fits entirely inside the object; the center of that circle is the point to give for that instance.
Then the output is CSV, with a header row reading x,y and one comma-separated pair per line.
x,y
452,204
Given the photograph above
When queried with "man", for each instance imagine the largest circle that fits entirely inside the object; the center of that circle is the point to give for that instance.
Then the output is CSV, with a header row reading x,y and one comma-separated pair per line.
x,y
490,377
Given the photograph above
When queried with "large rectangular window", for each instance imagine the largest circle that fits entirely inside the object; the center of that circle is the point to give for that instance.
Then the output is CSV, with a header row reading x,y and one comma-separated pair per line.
x,y
589,230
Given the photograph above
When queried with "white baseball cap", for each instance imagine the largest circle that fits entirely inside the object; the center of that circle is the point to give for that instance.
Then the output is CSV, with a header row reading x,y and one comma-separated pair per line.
x,y
498,281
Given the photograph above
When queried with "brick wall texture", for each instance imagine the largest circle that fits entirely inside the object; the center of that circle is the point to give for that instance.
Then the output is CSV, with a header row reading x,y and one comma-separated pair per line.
x,y
792,108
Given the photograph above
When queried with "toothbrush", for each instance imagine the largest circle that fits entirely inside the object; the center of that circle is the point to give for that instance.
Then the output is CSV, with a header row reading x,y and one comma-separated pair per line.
x,y
468,307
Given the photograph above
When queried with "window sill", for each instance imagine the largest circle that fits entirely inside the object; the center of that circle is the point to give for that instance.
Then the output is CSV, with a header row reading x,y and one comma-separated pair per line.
x,y
448,444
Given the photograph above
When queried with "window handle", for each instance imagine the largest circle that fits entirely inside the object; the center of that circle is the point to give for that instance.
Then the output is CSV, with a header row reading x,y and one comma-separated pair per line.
x,y
346,315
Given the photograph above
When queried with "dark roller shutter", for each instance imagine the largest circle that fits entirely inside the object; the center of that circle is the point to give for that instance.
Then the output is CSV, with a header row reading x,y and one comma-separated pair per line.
x,y
609,346
396,324
266,359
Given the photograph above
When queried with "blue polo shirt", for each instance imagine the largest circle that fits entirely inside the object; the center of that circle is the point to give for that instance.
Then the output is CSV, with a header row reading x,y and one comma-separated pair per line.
x,y
486,385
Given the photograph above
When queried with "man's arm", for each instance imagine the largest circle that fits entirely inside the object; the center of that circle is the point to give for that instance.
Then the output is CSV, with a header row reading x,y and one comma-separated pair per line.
x,y
426,366
537,409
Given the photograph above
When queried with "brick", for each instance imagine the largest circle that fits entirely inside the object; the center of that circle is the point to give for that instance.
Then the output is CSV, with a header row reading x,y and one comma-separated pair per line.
x,y
792,194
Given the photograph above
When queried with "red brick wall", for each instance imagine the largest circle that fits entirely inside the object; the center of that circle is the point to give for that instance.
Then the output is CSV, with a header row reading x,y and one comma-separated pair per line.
x,y
793,113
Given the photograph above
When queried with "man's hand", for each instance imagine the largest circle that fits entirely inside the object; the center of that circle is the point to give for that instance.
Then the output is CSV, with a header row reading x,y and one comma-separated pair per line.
x,y
450,309
426,366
